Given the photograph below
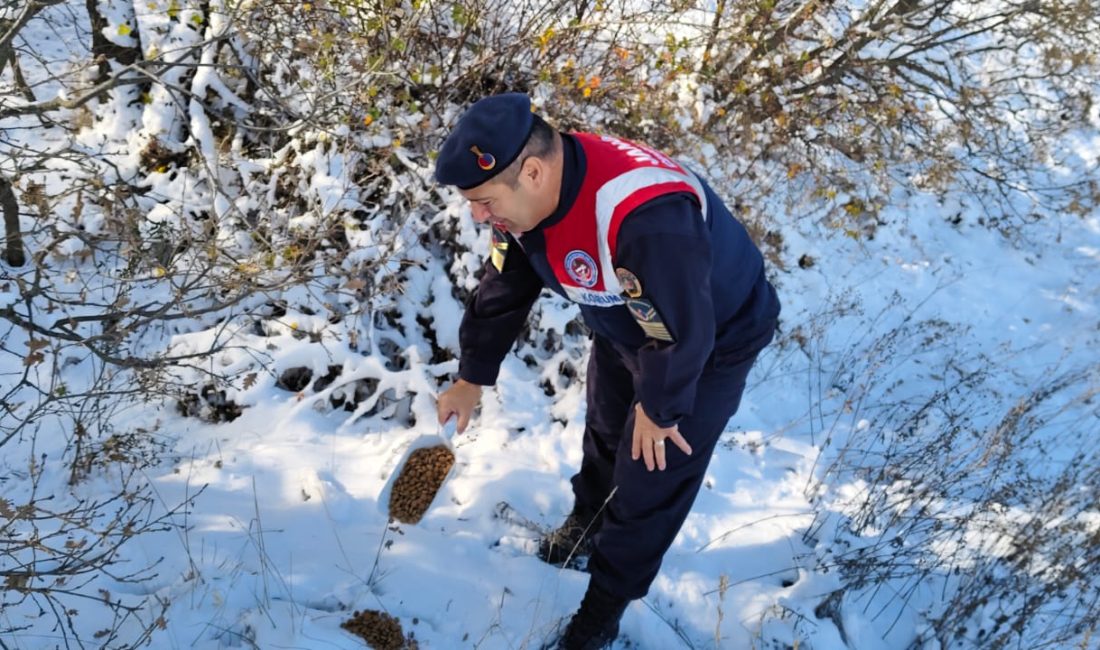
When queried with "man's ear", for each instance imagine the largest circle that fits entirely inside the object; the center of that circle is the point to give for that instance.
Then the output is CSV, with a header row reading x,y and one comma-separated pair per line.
x,y
534,169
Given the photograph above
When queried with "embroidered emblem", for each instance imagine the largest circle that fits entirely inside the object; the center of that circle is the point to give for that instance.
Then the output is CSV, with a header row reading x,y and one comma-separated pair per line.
x,y
649,320
643,311
581,268
629,282
499,249
486,161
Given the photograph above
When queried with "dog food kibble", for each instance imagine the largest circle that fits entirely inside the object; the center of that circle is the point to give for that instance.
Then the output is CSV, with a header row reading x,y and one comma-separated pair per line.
x,y
418,482
380,630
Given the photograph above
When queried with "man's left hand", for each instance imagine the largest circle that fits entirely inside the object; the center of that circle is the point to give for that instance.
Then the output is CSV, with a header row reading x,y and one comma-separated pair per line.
x,y
649,440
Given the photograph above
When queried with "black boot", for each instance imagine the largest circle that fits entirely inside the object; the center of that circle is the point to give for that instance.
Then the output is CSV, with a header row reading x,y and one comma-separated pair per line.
x,y
571,544
596,623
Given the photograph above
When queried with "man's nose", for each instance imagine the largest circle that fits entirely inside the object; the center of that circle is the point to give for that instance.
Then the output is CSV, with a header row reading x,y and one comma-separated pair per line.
x,y
479,212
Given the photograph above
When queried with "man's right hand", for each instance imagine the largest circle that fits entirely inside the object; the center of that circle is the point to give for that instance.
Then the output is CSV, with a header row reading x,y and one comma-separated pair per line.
x,y
460,399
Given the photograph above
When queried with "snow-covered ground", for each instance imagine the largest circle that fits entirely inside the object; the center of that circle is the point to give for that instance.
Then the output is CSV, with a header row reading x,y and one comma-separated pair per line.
x,y
291,533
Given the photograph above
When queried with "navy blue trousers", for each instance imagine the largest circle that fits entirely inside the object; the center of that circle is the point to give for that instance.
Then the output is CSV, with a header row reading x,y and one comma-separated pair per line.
x,y
639,523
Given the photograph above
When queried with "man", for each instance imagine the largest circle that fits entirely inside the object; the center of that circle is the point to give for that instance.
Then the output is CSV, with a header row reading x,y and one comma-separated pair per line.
x,y
674,292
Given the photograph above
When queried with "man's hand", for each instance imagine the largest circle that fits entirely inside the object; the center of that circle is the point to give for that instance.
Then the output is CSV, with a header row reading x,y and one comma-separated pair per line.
x,y
649,440
460,399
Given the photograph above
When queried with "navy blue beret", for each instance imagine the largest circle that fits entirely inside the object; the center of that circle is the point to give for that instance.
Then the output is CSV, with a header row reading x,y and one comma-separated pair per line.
x,y
486,139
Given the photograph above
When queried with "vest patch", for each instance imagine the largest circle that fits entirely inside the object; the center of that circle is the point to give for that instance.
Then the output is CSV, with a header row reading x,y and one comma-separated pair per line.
x,y
582,268
592,298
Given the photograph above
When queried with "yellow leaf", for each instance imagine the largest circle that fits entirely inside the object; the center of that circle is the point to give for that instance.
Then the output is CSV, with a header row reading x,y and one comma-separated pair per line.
x,y
368,120
173,9
160,272
587,92
544,38
197,19
124,30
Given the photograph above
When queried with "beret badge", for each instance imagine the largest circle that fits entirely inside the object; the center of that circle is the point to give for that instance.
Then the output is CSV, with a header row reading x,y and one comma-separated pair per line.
x,y
486,161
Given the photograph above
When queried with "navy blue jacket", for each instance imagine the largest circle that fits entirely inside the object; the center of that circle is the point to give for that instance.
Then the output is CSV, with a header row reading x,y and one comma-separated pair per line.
x,y
704,275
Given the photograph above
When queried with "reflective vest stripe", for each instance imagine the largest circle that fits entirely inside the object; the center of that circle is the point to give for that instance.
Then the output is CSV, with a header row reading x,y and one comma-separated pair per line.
x,y
619,196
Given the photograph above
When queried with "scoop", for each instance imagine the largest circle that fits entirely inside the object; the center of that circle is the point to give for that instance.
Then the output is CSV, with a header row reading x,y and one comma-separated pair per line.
x,y
427,463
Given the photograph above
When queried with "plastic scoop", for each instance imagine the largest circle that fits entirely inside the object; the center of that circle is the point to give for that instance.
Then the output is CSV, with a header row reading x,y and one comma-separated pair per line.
x,y
427,463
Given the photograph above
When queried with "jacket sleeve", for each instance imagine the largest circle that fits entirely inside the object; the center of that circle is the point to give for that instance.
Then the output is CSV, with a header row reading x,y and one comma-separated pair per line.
x,y
495,314
665,244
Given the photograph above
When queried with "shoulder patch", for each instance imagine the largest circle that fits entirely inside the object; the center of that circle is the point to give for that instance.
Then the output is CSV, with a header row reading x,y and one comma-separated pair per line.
x,y
629,282
649,319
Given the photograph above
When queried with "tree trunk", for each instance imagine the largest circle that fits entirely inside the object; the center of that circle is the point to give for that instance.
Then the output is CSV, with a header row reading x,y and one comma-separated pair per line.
x,y
13,236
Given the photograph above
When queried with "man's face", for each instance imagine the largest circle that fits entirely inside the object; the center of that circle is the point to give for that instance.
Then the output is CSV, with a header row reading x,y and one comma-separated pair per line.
x,y
513,208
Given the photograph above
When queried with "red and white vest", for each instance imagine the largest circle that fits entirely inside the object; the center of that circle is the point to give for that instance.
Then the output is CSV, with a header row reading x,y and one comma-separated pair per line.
x,y
620,176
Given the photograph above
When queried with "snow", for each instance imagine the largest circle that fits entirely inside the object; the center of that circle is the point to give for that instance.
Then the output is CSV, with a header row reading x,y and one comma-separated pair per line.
x,y
290,532
286,530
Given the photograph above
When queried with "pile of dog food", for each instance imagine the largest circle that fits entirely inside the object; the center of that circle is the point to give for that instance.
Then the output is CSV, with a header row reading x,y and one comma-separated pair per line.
x,y
380,630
